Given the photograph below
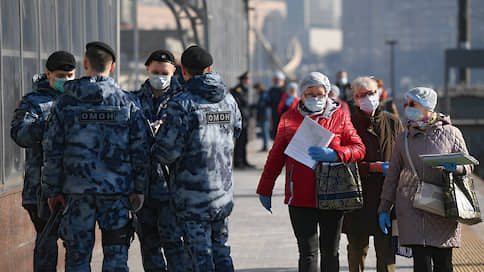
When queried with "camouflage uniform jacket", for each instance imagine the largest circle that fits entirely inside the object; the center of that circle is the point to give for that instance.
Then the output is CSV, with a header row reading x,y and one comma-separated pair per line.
x,y
198,137
27,129
96,141
155,109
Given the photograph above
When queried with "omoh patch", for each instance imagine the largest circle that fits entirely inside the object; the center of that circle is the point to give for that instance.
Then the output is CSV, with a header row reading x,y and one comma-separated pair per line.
x,y
221,117
97,116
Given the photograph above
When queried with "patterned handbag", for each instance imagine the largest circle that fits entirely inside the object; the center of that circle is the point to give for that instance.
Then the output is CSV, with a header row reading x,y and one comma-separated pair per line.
x,y
460,199
338,186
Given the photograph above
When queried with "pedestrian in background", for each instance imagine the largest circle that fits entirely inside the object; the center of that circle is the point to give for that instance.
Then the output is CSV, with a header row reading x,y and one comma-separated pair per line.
x,y
27,130
95,151
275,95
289,99
343,83
430,236
300,194
334,94
263,114
197,139
158,232
387,102
241,95
378,130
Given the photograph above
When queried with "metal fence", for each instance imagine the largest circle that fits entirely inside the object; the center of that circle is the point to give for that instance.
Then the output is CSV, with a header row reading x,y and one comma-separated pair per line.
x,y
228,38
30,30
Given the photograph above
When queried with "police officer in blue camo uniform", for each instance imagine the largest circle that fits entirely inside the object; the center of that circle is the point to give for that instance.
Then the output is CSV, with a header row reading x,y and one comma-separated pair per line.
x,y
95,151
27,129
197,138
157,228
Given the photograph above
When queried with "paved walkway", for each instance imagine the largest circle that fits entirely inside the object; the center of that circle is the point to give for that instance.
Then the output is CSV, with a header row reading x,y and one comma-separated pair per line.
x,y
264,242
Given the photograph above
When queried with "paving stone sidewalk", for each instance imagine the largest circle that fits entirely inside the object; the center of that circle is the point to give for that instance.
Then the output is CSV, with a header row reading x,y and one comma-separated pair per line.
x,y
264,242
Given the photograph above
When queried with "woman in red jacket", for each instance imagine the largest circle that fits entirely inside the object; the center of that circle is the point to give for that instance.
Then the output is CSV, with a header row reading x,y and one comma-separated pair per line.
x,y
289,99
345,146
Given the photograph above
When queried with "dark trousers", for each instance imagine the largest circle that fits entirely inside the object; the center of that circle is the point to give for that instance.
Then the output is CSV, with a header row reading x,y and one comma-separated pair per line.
x,y
45,258
424,256
305,223
358,244
240,149
159,230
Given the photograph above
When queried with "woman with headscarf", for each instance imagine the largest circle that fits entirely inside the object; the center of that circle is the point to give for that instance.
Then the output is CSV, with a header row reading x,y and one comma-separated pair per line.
x,y
430,236
300,194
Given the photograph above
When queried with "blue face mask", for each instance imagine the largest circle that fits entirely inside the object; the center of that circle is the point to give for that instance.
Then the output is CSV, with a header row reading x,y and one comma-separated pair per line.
x,y
413,114
59,84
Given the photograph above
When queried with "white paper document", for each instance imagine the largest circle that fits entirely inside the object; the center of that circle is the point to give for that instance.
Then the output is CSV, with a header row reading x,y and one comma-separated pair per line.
x,y
459,158
309,133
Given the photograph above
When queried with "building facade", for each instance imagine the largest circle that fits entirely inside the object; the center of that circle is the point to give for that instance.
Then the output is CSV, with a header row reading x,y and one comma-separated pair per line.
x,y
30,30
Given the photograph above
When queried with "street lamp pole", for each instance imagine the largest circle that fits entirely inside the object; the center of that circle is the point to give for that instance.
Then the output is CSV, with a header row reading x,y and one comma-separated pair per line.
x,y
392,44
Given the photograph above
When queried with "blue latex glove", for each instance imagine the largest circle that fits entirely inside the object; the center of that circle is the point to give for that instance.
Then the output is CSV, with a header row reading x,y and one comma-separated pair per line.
x,y
324,154
450,166
266,202
384,222
384,167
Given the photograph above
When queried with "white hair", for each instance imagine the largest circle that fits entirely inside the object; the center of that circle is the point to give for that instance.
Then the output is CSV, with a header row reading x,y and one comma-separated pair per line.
x,y
364,82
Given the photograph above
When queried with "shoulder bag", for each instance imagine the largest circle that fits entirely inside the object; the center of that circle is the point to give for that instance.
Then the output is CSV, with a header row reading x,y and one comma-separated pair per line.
x,y
338,186
429,197
460,199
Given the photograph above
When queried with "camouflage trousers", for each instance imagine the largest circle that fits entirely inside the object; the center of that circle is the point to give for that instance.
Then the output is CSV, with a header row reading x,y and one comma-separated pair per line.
x,y
159,233
77,228
206,242
45,258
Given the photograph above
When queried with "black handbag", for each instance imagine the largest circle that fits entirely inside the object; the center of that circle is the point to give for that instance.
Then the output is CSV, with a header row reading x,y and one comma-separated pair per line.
x,y
338,186
460,200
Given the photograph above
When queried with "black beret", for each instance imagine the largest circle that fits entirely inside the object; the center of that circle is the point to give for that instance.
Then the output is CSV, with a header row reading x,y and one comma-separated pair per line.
x,y
244,76
61,60
161,56
195,57
102,46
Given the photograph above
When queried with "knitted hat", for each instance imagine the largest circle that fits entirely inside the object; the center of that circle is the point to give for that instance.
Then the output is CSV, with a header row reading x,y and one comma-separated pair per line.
x,y
425,96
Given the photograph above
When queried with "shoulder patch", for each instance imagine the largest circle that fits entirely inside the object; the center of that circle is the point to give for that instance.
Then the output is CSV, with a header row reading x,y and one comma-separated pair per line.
x,y
97,116
220,117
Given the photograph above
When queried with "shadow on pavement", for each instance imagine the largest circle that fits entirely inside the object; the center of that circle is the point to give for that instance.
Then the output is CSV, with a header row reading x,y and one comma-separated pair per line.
x,y
277,269
253,195
294,269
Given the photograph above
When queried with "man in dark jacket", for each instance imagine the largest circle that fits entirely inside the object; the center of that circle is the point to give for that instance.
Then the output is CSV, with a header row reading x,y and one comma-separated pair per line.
x,y
343,84
241,95
157,220
275,95
27,130
263,114
378,130
197,139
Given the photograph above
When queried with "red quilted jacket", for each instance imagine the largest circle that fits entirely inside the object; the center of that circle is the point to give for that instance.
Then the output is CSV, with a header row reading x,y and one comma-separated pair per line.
x,y
300,179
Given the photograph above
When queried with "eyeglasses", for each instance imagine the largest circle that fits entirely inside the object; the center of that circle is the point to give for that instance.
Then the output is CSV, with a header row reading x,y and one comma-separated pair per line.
x,y
314,95
369,92
411,104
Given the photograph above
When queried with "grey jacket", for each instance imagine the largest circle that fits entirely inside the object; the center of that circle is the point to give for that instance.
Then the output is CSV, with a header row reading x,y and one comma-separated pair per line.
x,y
417,227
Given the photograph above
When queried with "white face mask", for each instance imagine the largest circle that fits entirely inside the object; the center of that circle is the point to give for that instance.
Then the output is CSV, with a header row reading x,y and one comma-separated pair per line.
x,y
343,81
315,104
160,82
369,103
